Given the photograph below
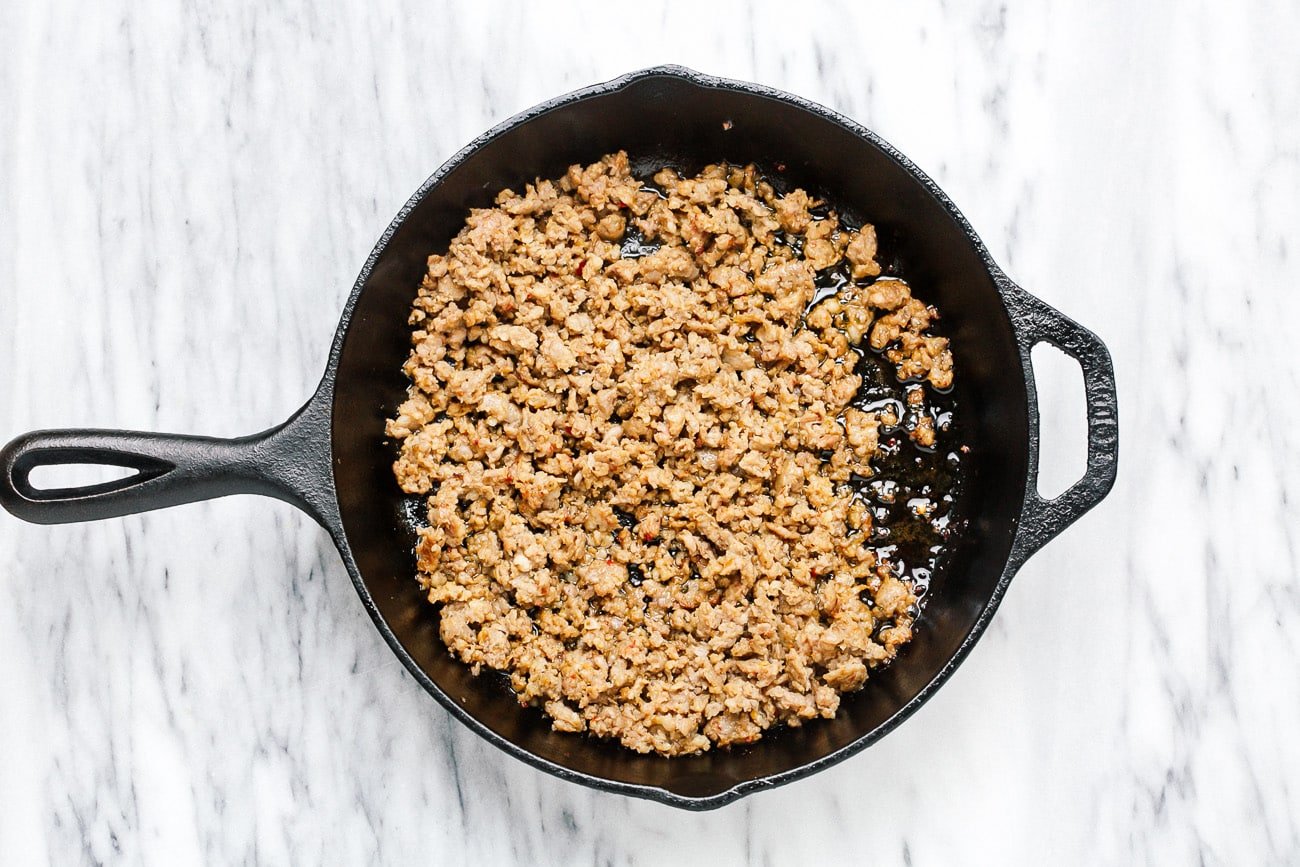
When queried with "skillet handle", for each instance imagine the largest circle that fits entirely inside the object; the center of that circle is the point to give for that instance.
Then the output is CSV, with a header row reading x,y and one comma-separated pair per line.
x,y
1037,322
289,462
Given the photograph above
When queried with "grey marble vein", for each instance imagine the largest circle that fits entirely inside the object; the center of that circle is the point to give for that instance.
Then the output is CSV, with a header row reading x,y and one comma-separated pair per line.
x,y
186,194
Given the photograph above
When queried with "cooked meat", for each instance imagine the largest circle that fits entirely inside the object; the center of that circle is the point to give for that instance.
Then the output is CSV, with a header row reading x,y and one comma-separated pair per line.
x,y
637,469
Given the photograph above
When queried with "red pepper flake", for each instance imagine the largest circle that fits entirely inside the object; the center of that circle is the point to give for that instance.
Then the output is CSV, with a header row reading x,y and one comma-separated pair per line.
x,y
510,480
609,561
581,265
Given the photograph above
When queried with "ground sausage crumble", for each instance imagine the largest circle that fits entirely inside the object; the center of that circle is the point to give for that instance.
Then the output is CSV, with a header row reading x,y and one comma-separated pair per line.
x,y
637,466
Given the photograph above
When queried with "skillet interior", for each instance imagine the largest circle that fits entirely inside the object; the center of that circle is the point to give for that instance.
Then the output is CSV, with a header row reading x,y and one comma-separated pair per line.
x,y
664,116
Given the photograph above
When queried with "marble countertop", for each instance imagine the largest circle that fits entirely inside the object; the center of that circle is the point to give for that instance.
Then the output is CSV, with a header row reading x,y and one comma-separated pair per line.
x,y
186,194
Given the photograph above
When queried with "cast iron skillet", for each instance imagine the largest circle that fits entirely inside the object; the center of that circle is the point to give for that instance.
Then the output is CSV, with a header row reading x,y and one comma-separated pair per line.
x,y
331,460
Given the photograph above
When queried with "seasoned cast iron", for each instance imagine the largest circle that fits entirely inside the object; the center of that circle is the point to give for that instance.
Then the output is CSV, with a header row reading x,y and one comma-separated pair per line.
x,y
331,459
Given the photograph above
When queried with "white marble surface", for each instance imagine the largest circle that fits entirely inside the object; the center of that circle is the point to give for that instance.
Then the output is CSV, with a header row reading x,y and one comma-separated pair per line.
x,y
186,193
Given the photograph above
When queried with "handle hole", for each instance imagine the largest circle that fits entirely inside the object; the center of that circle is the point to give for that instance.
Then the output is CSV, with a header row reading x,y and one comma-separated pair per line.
x,y
1062,422
64,477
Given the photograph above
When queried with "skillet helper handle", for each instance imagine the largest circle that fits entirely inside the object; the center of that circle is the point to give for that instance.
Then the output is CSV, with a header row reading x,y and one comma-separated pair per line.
x,y
289,462
1038,322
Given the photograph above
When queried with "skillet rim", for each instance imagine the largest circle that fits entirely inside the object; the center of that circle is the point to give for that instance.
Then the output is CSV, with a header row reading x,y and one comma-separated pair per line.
x,y
1008,294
